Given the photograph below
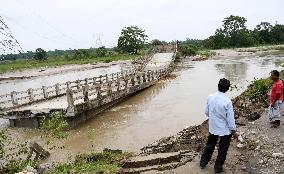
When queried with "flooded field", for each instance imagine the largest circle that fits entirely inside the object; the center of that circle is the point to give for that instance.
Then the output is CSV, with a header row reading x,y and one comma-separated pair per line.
x,y
169,106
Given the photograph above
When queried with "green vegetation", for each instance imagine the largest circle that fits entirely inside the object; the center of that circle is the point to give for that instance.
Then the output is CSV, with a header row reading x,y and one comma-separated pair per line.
x,y
59,61
55,125
40,54
234,33
15,166
105,162
259,87
188,50
132,40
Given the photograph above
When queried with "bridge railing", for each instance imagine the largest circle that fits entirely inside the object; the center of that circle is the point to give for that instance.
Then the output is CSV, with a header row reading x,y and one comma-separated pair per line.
x,y
16,99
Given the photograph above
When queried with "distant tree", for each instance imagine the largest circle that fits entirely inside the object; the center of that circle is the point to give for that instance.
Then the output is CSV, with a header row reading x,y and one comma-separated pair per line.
x,y
156,42
132,39
233,24
189,50
262,32
277,34
101,52
40,54
81,54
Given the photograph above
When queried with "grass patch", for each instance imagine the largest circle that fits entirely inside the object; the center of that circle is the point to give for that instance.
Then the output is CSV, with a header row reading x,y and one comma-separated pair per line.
x,y
206,53
105,162
59,61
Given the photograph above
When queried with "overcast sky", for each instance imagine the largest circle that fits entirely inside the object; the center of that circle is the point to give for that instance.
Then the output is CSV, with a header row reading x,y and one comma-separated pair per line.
x,y
64,24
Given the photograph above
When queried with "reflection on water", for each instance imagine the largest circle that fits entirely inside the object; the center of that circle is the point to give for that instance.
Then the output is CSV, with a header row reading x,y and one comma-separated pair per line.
x,y
167,107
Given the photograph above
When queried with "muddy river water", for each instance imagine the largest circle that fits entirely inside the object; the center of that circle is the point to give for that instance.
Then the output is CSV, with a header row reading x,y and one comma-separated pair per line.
x,y
169,106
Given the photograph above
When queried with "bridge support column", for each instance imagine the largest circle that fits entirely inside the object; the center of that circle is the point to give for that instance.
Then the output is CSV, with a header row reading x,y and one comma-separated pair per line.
x,y
70,101
31,94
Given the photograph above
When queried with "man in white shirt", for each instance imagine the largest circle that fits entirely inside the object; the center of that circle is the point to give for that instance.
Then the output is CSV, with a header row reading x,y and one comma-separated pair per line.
x,y
219,110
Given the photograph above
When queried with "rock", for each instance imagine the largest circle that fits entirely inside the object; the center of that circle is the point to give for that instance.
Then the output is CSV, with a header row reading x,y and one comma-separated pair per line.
x,y
45,167
277,155
260,162
240,146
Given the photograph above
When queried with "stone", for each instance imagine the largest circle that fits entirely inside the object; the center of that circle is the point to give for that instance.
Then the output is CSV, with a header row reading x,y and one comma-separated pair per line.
x,y
241,146
277,155
45,167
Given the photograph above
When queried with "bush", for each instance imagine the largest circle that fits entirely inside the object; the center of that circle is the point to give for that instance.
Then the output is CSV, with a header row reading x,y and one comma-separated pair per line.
x,y
40,54
189,50
259,87
101,52
55,125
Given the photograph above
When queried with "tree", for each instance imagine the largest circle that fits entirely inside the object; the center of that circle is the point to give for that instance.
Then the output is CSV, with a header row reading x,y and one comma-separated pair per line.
x,y
101,52
40,54
277,34
156,42
188,50
132,39
262,32
233,25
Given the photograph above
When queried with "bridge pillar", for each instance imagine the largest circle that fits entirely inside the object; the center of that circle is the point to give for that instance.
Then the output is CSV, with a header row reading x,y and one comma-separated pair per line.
x,y
44,90
14,98
31,95
57,89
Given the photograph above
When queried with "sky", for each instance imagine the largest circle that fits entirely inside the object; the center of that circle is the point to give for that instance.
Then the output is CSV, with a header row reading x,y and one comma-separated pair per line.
x,y
65,24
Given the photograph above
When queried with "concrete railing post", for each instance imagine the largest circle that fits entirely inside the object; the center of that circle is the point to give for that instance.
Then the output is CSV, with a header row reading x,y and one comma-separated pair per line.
x,y
117,75
68,84
99,92
126,82
94,80
44,90
112,76
86,81
138,77
101,79
57,89
132,80
148,76
70,98
107,79
14,98
31,94
109,88
118,85
86,93
78,84
144,77
152,75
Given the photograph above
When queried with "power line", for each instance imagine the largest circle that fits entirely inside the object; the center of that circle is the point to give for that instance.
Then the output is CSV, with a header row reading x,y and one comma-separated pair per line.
x,y
47,23
36,33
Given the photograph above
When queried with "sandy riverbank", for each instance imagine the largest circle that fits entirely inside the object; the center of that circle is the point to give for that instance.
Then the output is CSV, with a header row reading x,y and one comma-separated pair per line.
x,y
36,72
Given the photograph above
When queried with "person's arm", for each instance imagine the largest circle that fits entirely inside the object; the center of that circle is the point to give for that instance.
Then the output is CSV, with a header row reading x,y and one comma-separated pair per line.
x,y
231,120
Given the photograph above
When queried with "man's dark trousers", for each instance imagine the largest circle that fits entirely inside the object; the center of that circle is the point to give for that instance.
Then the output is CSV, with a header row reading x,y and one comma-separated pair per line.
x,y
224,144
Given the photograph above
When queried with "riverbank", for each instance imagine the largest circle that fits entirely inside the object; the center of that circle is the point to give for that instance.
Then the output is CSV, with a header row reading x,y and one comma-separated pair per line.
x,y
261,152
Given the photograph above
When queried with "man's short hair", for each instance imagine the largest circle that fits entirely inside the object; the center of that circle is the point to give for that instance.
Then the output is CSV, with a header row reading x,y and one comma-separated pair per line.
x,y
276,73
224,85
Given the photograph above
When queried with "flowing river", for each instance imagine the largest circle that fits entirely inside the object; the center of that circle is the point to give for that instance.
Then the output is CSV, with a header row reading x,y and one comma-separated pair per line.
x,y
169,106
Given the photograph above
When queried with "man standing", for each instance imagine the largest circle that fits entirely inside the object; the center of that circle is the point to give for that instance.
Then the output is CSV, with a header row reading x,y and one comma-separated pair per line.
x,y
219,110
275,99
